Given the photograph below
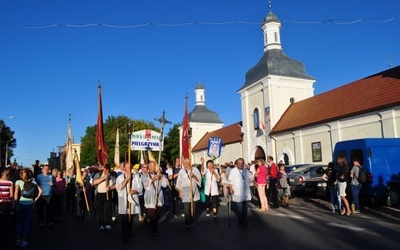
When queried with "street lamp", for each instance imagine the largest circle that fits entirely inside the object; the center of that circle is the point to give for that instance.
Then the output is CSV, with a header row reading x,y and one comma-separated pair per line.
x,y
6,159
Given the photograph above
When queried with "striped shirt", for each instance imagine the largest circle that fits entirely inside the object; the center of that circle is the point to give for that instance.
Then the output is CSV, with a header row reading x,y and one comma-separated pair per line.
x,y
5,187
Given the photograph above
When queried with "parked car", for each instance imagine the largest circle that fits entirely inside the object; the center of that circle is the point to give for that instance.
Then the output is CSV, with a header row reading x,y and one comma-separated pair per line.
x,y
316,186
298,176
290,168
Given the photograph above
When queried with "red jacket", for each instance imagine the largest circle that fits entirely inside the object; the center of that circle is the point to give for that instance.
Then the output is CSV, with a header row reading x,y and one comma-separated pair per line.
x,y
273,170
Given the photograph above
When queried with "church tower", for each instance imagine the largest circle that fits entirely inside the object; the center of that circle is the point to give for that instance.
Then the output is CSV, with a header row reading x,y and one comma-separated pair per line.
x,y
270,87
201,119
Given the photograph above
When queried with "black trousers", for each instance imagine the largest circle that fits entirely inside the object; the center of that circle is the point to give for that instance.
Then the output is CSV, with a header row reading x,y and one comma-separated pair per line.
x,y
274,191
103,209
188,214
176,202
126,225
152,214
212,202
45,202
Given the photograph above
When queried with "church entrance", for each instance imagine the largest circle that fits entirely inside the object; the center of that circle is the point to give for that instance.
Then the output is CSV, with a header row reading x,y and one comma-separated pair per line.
x,y
260,153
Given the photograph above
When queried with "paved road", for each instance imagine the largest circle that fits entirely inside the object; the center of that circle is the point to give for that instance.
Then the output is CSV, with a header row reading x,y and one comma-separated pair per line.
x,y
306,224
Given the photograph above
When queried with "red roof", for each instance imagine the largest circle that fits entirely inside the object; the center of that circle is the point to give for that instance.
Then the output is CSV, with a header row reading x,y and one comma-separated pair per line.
x,y
229,134
375,92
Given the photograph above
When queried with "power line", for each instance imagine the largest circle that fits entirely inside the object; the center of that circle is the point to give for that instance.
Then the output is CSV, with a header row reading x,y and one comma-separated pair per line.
x,y
130,26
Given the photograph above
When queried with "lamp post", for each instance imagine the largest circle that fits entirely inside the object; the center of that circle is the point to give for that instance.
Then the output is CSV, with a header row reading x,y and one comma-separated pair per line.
x,y
6,159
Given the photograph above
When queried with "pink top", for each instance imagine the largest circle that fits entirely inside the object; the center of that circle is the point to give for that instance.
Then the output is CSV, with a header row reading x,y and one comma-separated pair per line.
x,y
262,175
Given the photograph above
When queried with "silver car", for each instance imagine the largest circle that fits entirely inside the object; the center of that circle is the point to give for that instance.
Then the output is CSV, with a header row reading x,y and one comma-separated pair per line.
x,y
298,176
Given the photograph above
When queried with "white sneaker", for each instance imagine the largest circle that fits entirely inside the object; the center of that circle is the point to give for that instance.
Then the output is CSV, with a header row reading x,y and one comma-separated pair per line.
x,y
108,227
101,228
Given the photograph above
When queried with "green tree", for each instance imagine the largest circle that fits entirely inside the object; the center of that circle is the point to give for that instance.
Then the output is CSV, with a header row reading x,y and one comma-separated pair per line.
x,y
171,144
8,141
88,141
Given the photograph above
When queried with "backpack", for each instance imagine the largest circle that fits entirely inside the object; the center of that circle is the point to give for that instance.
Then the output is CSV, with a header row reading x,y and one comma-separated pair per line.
x,y
362,175
29,190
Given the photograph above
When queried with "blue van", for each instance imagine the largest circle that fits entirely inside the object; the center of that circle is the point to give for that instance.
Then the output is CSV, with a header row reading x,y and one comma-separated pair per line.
x,y
381,159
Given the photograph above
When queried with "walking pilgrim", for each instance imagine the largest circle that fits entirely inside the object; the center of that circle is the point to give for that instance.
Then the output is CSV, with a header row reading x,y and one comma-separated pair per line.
x,y
239,185
211,187
153,195
104,183
129,187
188,183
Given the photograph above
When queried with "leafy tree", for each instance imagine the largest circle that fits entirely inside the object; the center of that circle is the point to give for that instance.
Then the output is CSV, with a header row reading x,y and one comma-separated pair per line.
x,y
89,153
6,139
171,144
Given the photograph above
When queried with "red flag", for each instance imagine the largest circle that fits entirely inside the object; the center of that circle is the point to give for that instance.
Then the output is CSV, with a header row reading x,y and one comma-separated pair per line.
x,y
185,134
100,143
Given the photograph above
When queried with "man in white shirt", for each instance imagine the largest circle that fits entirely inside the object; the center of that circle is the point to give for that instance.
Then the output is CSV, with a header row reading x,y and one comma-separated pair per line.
x,y
153,196
124,191
188,183
239,184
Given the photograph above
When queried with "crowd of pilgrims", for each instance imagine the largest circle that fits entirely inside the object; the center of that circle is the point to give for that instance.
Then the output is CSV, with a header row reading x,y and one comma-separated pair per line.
x,y
143,192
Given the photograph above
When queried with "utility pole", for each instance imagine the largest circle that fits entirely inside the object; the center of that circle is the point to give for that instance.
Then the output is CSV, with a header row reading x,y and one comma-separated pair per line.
x,y
163,121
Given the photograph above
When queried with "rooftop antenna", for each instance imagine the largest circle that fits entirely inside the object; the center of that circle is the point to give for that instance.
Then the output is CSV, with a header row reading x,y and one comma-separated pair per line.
x,y
390,61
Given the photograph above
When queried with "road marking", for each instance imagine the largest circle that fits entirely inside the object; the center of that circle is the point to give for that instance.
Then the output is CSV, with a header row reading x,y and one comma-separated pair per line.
x,y
291,216
358,229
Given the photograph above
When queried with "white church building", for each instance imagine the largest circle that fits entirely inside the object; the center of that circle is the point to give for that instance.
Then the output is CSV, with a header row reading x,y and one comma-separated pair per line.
x,y
281,116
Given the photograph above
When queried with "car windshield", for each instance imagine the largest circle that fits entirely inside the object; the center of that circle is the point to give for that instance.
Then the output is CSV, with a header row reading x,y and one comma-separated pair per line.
x,y
301,170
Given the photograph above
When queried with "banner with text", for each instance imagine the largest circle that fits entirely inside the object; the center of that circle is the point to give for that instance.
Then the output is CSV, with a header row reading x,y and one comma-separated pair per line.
x,y
146,140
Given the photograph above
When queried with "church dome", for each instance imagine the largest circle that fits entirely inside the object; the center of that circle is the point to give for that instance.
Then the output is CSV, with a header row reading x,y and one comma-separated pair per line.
x,y
203,115
271,17
200,86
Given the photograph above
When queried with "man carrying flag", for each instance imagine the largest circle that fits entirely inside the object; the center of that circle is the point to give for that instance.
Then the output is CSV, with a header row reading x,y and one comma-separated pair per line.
x,y
189,178
188,183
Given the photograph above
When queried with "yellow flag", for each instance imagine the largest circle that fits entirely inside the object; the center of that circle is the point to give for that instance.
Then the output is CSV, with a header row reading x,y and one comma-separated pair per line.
x,y
78,170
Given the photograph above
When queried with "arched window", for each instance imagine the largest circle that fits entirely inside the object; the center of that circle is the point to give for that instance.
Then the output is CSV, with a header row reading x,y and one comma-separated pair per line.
x,y
256,119
276,37
285,159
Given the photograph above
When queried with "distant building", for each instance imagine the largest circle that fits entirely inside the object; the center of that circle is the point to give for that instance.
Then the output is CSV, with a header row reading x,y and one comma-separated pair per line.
x,y
201,119
62,154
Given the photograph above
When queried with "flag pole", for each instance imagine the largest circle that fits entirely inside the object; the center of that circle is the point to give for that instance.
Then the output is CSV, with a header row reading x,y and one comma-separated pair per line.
x,y
186,150
129,129
81,181
100,143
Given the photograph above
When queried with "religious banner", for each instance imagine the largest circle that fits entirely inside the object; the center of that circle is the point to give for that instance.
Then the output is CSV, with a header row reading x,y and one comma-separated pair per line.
x,y
214,147
146,140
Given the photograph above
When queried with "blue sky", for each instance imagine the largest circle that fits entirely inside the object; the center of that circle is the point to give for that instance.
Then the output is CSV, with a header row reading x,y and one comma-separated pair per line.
x,y
48,73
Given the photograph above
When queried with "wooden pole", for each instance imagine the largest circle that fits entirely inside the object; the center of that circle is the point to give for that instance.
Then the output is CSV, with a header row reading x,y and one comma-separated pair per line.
x,y
86,200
